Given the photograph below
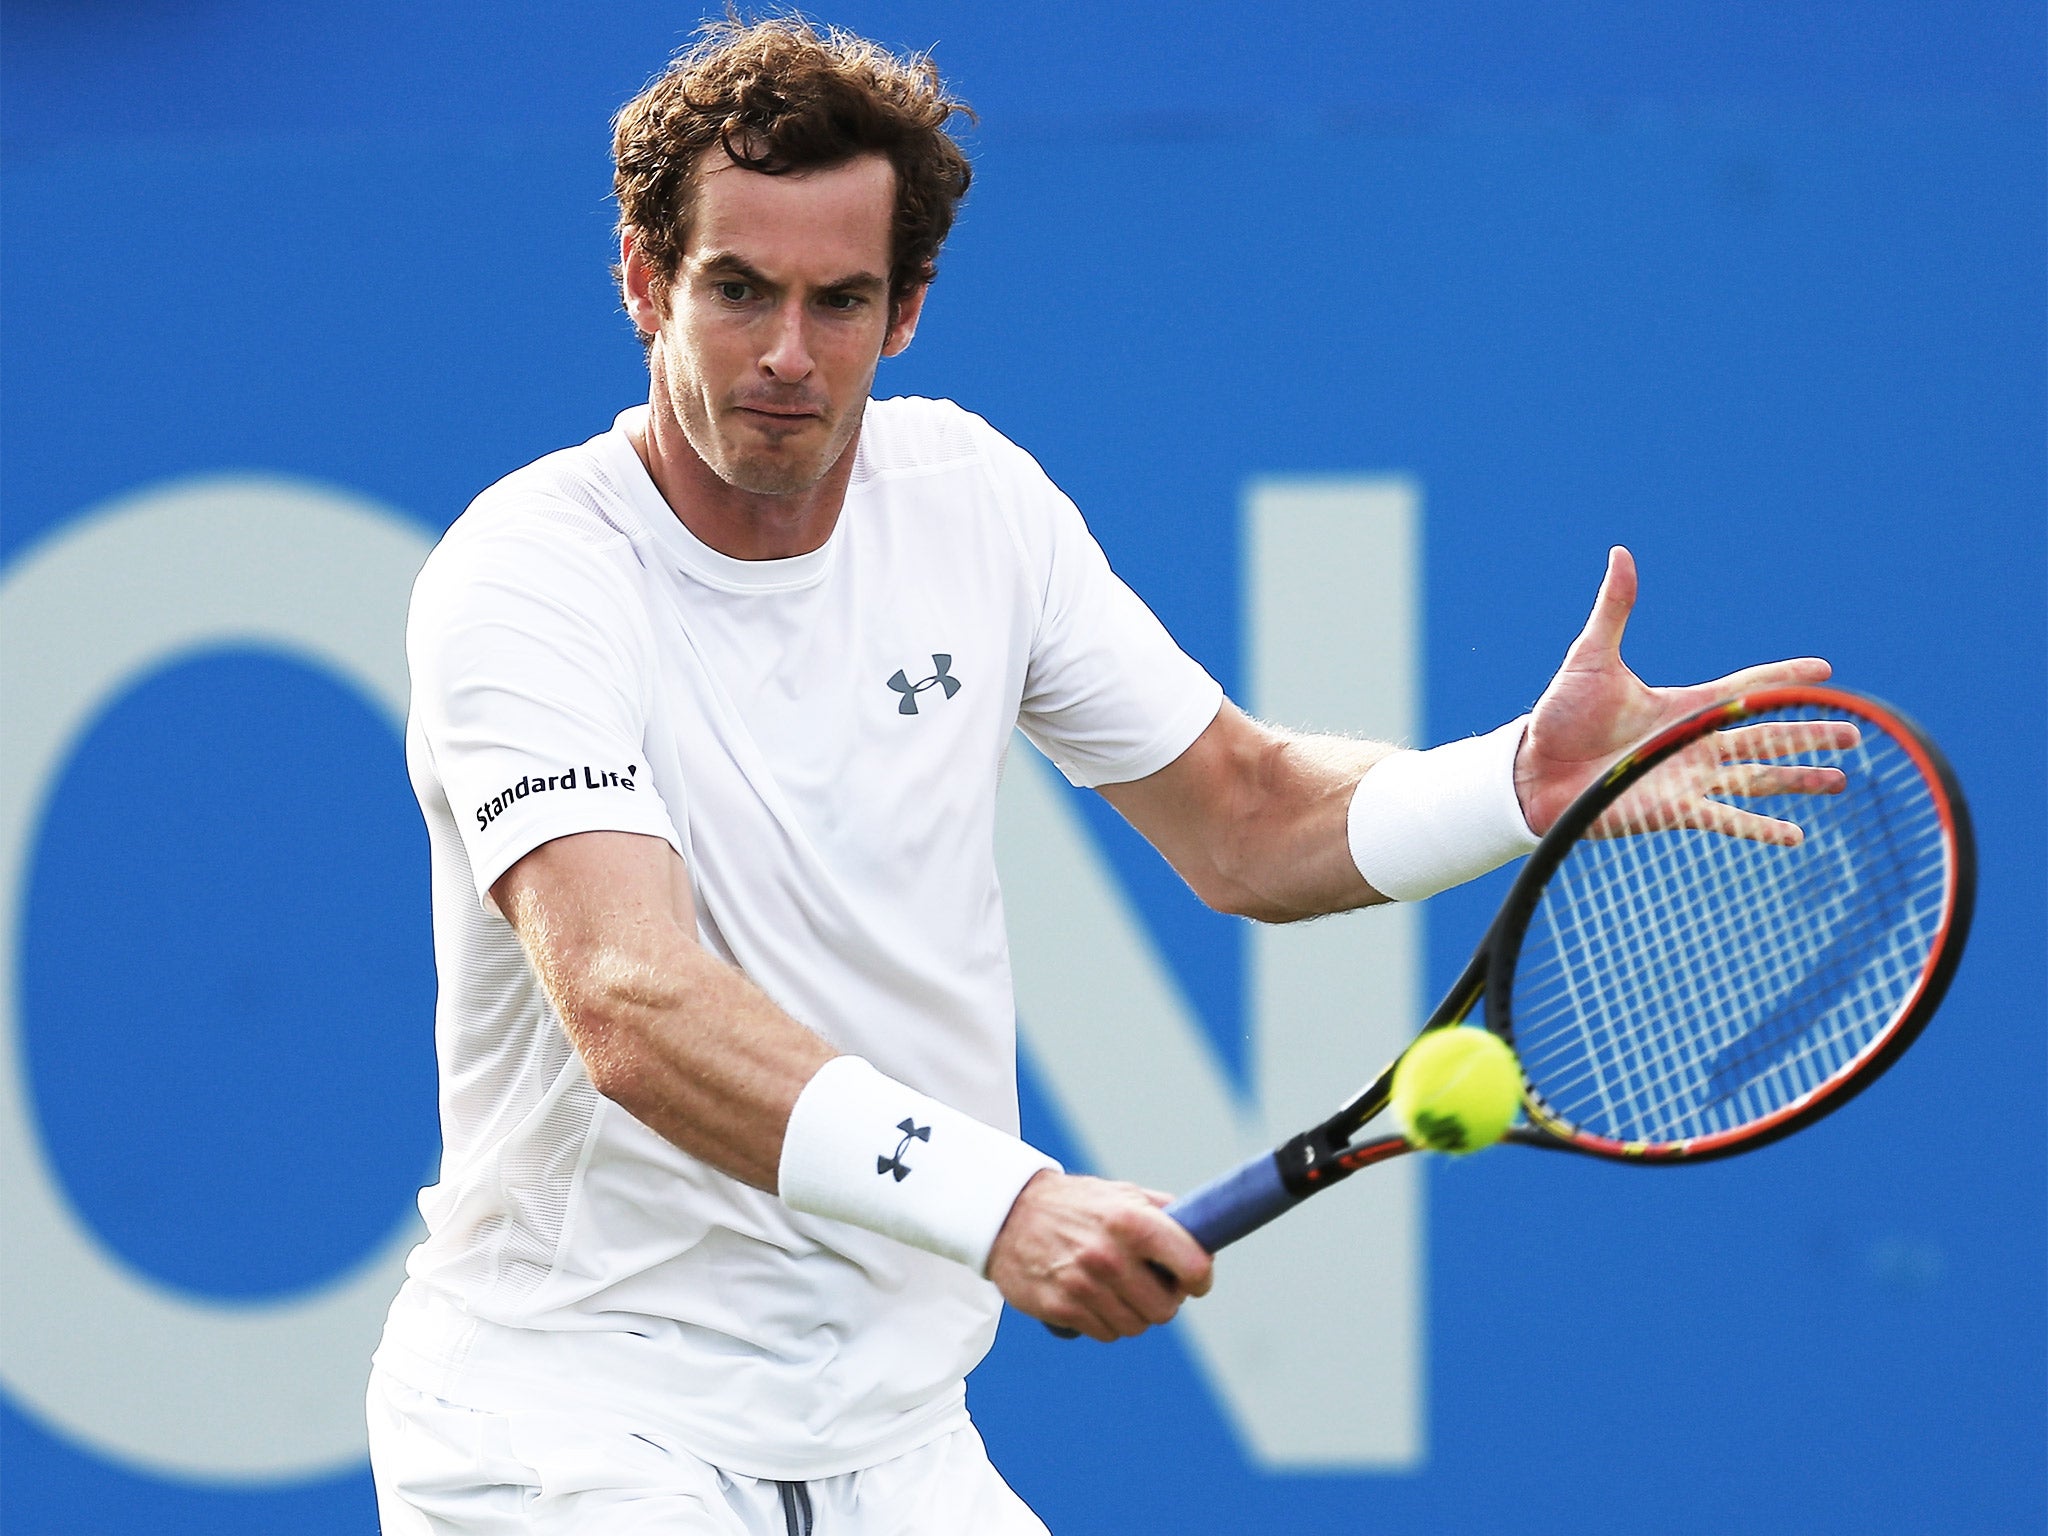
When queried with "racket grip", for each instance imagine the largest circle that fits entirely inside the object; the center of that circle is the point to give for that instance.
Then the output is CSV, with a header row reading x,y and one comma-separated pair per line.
x,y
1235,1204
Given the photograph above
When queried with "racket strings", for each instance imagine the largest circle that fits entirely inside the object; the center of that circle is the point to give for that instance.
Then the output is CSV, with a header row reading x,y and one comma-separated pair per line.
x,y
1676,983
1665,1082
1803,956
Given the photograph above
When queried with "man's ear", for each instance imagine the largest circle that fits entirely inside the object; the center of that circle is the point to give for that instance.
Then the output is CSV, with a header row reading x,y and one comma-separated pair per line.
x,y
904,312
645,302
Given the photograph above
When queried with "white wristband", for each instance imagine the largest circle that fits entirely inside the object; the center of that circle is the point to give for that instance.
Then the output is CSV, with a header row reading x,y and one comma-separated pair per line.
x,y
863,1148
1422,822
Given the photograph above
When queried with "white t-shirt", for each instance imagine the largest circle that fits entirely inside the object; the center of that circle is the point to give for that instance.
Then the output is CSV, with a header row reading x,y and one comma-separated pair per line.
x,y
819,738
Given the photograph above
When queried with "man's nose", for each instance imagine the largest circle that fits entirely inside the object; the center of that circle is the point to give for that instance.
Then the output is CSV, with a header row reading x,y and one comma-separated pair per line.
x,y
787,356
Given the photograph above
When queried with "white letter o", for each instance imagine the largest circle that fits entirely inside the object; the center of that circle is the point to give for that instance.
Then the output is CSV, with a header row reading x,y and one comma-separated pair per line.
x,y
264,1390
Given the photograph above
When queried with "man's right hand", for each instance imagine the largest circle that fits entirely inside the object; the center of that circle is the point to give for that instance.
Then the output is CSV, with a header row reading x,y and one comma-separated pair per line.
x,y
1078,1252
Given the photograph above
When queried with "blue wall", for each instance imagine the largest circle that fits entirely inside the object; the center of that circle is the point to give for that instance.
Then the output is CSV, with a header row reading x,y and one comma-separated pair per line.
x,y
1756,289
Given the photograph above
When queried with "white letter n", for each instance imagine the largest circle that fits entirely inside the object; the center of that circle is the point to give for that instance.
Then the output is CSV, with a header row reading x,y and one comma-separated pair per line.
x,y
1313,1338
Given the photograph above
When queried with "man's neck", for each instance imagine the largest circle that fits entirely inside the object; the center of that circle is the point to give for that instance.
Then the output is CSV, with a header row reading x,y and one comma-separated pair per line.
x,y
746,525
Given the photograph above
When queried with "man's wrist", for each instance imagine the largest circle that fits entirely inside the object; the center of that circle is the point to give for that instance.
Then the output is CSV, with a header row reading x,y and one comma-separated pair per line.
x,y
866,1149
1422,822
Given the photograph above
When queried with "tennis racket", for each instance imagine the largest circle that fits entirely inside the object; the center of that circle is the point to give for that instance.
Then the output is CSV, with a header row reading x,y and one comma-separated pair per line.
x,y
1739,928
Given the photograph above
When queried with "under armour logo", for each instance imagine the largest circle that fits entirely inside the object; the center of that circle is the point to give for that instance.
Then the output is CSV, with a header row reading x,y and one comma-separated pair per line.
x,y
943,678
912,1131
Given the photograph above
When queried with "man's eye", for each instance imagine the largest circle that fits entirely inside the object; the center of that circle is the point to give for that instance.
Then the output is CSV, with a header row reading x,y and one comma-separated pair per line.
x,y
842,301
734,292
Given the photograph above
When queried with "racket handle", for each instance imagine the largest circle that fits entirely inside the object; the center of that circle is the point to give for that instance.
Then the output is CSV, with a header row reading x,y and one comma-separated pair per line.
x,y
1223,1210
1235,1204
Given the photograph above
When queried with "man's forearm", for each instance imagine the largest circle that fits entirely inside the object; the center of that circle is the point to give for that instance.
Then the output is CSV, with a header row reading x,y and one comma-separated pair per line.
x,y
1292,858
1272,825
683,1041
705,1058
694,1050
1253,818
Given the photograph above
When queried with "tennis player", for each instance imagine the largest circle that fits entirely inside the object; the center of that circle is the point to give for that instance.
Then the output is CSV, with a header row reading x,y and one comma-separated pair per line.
x,y
708,715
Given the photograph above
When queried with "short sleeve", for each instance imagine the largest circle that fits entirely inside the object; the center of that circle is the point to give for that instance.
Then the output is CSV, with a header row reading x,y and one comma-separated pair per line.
x,y
530,662
1108,695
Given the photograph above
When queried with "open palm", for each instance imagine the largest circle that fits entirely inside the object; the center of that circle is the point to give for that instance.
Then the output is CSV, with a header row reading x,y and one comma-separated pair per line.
x,y
1595,709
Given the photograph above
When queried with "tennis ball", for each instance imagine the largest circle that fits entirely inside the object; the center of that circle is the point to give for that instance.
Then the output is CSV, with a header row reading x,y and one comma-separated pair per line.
x,y
1457,1088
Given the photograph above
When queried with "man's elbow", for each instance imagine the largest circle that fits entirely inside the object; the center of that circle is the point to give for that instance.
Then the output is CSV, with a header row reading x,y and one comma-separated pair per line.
x,y
1234,894
610,1061
607,1045
611,1014
1236,866
1262,909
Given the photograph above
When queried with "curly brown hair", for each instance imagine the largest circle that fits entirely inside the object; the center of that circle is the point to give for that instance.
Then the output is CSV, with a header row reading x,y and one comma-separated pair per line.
x,y
780,96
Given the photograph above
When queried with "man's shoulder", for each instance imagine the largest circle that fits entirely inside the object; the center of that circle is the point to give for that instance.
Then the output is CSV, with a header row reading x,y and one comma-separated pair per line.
x,y
571,505
912,435
563,523
576,495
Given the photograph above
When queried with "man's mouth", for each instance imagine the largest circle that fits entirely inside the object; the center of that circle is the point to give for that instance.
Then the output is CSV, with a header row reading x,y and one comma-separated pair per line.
x,y
777,412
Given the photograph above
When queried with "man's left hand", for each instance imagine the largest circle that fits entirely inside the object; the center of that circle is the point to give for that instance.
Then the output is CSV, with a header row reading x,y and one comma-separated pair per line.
x,y
1596,708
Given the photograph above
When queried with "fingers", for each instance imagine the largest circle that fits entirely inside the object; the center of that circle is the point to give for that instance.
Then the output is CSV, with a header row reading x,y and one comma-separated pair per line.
x,y
1713,816
1743,768
1112,1314
1187,1268
1771,674
1136,1279
1175,1251
1097,1256
1611,608
1782,738
1677,796
1753,780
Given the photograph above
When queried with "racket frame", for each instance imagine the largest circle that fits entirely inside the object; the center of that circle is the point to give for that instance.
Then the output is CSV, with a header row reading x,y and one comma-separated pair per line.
x,y
1327,1153
1504,940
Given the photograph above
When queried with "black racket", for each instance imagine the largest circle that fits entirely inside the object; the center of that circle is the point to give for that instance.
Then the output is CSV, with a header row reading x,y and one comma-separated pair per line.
x,y
1732,934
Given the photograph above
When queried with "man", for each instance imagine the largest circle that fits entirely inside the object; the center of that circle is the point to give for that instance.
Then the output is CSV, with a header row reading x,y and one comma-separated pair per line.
x,y
708,717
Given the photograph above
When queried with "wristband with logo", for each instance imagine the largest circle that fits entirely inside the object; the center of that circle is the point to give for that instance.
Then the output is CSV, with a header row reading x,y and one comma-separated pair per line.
x,y
863,1148
1422,822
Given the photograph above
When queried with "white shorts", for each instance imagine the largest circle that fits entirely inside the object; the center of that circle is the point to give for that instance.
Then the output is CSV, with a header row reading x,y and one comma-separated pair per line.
x,y
445,1470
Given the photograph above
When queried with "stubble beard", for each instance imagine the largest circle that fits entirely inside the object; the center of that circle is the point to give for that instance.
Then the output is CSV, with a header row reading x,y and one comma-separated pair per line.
x,y
783,469
718,435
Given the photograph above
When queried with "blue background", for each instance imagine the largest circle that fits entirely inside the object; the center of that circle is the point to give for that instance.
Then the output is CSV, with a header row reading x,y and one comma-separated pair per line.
x,y
1755,288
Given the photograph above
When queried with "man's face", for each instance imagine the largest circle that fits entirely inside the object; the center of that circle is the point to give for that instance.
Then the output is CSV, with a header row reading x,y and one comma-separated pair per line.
x,y
777,318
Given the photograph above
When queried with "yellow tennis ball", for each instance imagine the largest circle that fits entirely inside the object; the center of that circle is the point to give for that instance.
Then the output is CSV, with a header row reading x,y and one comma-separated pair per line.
x,y
1457,1089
